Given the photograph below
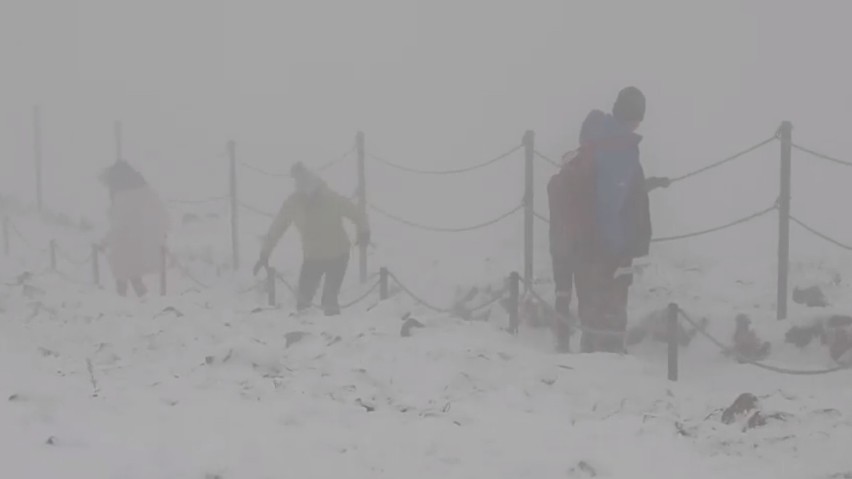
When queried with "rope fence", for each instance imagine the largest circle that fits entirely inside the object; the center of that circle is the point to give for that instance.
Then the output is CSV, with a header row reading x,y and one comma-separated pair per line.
x,y
446,172
531,156
716,229
818,234
319,168
440,229
200,201
724,161
728,350
821,156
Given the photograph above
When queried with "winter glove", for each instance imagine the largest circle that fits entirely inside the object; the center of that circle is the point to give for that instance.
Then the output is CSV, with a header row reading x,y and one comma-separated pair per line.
x,y
363,238
263,262
657,182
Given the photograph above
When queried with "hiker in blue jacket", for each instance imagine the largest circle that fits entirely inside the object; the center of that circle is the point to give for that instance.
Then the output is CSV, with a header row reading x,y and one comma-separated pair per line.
x,y
622,223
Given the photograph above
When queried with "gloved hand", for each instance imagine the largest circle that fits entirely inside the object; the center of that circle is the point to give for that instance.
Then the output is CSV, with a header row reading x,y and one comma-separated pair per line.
x,y
657,182
363,238
263,262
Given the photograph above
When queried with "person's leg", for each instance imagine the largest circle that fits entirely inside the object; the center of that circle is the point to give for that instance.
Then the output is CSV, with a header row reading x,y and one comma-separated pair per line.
x,y
615,308
139,287
588,284
121,287
563,279
334,274
309,279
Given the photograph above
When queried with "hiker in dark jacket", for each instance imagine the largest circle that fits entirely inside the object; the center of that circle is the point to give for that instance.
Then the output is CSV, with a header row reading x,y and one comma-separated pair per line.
x,y
317,212
615,205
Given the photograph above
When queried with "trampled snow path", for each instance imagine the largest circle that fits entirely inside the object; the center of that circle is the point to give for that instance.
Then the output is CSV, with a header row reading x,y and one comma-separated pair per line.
x,y
209,389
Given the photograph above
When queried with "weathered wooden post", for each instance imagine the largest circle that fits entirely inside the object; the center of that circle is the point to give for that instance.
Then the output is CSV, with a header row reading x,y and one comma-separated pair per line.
x,y
672,329
514,302
119,147
786,135
96,268
235,206
163,268
384,291
529,205
7,248
270,285
52,247
362,201
37,156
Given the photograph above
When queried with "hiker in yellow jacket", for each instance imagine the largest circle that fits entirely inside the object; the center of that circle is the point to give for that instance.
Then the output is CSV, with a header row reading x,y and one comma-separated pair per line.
x,y
317,213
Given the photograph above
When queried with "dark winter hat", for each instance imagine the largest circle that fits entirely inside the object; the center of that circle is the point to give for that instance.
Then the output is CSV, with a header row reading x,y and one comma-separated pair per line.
x,y
306,181
121,176
630,105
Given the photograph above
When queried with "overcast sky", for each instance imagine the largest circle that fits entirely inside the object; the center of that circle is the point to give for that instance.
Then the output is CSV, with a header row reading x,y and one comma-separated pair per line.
x,y
433,83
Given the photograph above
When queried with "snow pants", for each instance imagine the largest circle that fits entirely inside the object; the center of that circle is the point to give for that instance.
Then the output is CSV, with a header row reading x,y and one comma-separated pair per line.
x,y
564,269
331,272
602,303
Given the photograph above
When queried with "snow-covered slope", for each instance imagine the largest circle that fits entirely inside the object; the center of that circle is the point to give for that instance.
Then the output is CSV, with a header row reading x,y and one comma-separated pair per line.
x,y
205,384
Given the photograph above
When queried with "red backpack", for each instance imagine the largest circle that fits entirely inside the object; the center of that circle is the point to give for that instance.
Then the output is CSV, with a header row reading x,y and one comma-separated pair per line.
x,y
571,194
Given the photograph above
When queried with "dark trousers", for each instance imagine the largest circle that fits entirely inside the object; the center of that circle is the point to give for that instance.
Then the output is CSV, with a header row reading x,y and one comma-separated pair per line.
x,y
138,287
602,303
315,270
563,279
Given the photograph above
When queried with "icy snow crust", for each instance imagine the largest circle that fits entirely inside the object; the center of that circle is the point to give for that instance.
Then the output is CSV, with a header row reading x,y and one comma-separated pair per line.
x,y
205,384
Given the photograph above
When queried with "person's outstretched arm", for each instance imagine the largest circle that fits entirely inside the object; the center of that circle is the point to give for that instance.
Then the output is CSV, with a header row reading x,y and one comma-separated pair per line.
x,y
349,210
655,182
279,226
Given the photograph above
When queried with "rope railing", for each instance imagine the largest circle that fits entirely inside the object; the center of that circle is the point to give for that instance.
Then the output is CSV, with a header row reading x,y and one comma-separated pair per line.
x,y
346,305
318,168
724,161
441,310
439,229
569,322
768,367
541,217
198,201
695,234
65,256
186,272
716,229
255,210
542,156
819,234
456,171
30,244
821,156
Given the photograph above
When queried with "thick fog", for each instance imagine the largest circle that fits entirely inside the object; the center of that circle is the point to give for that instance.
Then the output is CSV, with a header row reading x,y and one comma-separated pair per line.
x,y
433,84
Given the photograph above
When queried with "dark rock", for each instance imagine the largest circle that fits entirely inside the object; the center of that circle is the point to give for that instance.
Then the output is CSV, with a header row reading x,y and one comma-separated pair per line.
x,y
811,297
293,337
744,404
801,336
408,325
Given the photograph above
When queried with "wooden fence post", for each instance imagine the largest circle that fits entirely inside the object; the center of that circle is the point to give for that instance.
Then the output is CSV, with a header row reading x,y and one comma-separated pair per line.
x,y
7,249
514,302
37,156
672,330
52,247
786,132
362,201
384,291
119,140
235,205
529,206
270,285
96,268
163,268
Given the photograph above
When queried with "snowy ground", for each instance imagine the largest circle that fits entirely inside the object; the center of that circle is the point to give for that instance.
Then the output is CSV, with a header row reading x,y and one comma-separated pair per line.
x,y
207,385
